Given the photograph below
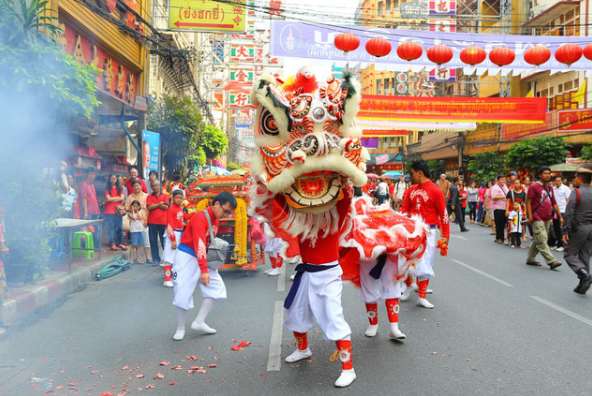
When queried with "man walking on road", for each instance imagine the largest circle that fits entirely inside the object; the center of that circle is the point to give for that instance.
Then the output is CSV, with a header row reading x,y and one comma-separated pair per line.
x,y
381,191
498,194
577,230
540,203
454,204
561,193
443,184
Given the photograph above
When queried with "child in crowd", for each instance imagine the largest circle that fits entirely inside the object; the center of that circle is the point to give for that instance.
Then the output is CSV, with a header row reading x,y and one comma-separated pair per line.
x,y
172,236
515,221
138,221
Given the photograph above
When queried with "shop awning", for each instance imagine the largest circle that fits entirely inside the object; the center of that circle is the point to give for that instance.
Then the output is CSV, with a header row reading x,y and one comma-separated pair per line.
x,y
439,145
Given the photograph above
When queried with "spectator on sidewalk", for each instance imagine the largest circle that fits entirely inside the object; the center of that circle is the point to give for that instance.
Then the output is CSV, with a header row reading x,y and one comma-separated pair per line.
x,y
176,184
444,185
140,196
454,204
516,195
137,216
157,204
89,203
463,196
114,196
134,177
561,193
68,198
473,200
578,238
540,203
513,176
381,191
498,194
399,190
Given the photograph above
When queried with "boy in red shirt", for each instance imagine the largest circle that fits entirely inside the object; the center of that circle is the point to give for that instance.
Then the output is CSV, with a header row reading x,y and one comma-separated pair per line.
x,y
172,237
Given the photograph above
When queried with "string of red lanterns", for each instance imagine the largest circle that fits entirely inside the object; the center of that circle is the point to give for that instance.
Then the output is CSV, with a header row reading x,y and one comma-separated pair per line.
x,y
440,54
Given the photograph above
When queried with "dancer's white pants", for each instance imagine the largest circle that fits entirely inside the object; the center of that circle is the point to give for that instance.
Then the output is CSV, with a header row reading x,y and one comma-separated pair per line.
x,y
186,276
371,288
425,268
168,253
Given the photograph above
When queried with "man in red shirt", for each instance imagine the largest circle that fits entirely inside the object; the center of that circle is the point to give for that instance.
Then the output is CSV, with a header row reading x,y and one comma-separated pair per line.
x,y
425,199
157,204
90,205
134,176
191,266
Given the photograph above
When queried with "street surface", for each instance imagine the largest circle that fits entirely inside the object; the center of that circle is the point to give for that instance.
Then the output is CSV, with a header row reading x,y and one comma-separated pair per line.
x,y
499,327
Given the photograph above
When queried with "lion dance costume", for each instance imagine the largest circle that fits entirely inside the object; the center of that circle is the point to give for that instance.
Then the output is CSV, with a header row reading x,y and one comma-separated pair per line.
x,y
309,152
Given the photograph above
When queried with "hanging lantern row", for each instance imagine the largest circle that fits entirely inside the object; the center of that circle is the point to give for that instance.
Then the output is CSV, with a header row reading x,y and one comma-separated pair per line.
x,y
441,54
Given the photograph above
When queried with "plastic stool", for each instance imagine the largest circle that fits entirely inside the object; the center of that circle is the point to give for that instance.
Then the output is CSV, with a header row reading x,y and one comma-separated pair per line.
x,y
89,244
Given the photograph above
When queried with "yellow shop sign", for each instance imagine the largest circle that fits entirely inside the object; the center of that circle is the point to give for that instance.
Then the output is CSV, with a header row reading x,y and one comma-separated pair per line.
x,y
208,15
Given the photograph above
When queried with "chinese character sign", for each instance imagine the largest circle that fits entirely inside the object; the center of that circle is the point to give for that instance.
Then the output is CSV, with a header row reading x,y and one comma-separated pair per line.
x,y
208,15
239,99
442,7
242,53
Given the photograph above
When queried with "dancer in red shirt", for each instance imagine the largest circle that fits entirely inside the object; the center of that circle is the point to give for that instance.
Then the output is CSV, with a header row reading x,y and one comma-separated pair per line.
x,y
425,199
172,236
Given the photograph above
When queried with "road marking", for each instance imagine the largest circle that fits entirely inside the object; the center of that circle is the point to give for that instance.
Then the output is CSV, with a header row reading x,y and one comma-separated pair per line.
x,y
282,279
483,273
563,310
274,359
458,237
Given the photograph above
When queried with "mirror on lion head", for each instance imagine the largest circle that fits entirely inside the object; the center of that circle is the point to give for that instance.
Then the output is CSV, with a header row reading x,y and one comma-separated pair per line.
x,y
306,138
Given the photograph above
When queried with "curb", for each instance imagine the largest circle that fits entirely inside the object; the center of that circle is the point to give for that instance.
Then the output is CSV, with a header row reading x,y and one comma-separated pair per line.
x,y
22,303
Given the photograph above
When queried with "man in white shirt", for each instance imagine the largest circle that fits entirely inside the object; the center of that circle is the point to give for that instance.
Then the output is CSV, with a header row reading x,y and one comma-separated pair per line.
x,y
400,189
561,192
381,191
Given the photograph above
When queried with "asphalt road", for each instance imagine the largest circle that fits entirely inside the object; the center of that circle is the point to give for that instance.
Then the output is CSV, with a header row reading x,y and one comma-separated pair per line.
x,y
499,328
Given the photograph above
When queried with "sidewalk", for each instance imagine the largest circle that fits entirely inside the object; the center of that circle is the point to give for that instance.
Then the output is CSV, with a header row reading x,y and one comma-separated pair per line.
x,y
22,301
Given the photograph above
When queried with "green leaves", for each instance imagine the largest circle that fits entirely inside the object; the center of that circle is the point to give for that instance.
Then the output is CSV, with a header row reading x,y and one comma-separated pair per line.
x,y
534,153
214,142
486,166
587,152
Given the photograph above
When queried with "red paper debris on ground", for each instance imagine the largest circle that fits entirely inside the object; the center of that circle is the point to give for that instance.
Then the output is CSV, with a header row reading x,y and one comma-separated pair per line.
x,y
244,344
212,365
177,367
234,340
164,363
139,375
261,373
60,387
73,383
177,351
236,348
94,371
107,394
192,358
210,347
150,386
172,383
159,376
126,367
196,367
140,388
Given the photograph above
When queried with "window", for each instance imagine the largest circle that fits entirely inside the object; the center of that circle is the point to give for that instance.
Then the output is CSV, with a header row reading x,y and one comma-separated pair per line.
x,y
545,93
378,87
387,90
380,7
551,93
388,5
567,86
560,88
576,83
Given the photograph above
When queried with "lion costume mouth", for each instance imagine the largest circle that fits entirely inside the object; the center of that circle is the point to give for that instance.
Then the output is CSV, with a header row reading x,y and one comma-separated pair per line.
x,y
314,189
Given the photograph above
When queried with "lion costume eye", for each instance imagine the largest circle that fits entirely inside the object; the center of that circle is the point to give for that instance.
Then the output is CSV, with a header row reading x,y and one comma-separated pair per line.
x,y
267,124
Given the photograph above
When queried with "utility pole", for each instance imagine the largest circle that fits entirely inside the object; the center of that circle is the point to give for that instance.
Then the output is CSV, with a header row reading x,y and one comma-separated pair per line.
x,y
461,149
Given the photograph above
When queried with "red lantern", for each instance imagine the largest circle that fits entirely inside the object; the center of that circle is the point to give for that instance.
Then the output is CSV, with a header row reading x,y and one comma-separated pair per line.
x,y
588,51
473,55
409,51
568,53
439,54
347,42
537,55
502,56
378,47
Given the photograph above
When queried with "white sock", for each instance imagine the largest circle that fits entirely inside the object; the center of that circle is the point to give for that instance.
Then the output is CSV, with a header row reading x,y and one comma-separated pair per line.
x,y
181,315
206,306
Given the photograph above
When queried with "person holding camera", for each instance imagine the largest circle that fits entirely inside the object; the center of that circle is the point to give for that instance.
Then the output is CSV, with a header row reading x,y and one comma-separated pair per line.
x,y
577,229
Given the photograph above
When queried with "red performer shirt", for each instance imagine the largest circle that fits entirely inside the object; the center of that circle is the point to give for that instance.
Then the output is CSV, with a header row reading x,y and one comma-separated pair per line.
x,y
326,249
175,217
197,236
427,200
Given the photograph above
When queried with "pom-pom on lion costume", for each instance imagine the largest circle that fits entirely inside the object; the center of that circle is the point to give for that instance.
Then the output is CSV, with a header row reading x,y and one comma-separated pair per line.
x,y
309,154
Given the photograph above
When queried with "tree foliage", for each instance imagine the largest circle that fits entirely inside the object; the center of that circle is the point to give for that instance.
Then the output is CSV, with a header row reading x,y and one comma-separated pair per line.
x,y
587,152
179,122
486,166
214,142
35,73
534,153
234,166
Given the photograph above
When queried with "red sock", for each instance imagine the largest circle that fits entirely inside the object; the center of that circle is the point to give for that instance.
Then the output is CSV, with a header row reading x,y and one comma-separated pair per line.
x,y
168,273
273,262
409,280
372,309
301,340
423,287
392,308
280,261
345,355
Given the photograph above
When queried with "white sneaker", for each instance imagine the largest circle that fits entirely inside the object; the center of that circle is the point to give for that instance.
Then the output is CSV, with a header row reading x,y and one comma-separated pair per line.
x,y
553,247
560,249
298,355
407,293
168,284
203,328
422,302
396,334
292,276
179,335
371,330
346,378
161,264
275,272
267,271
